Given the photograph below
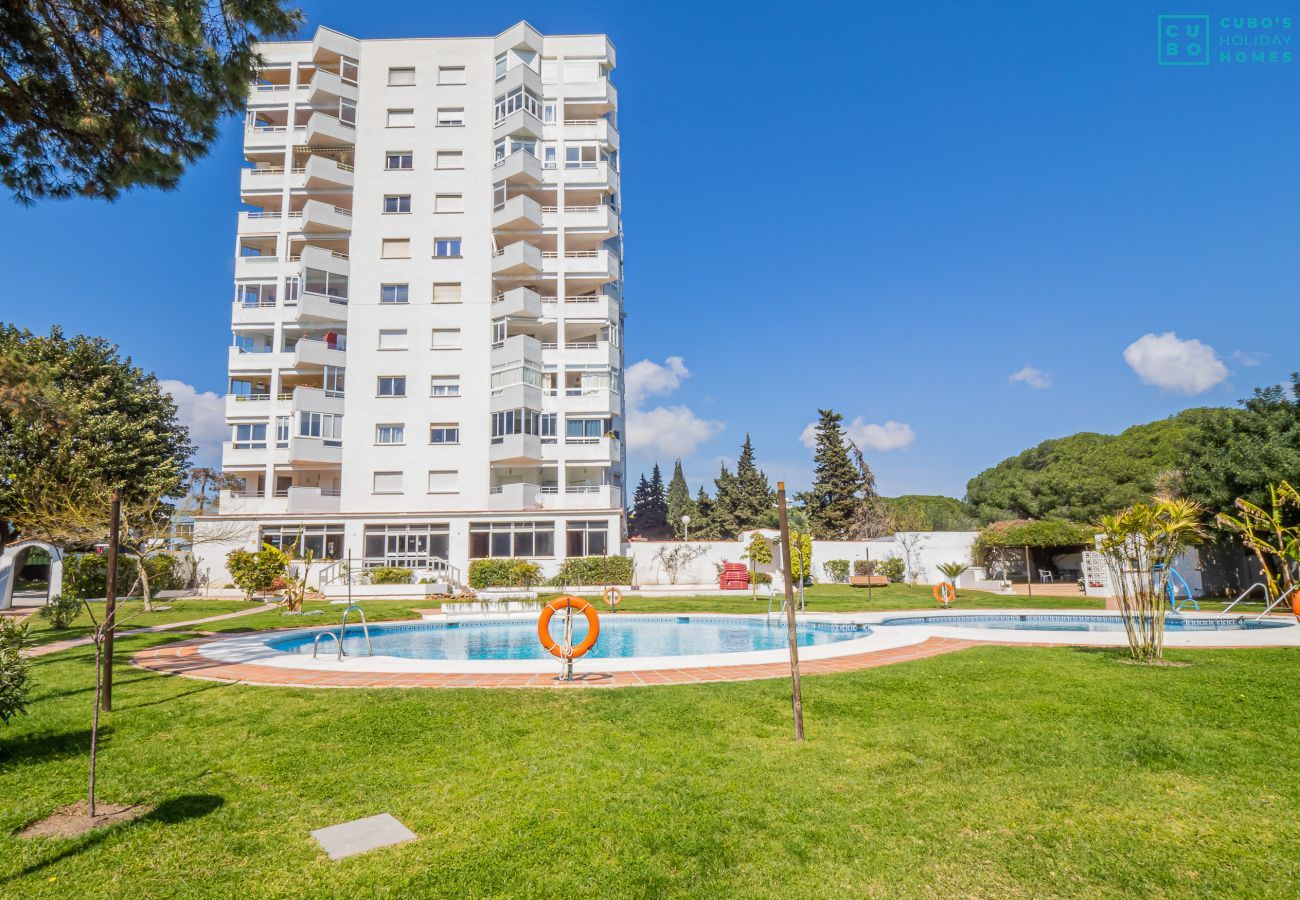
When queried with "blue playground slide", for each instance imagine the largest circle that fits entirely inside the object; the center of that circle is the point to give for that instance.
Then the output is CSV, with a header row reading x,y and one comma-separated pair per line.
x,y
1172,584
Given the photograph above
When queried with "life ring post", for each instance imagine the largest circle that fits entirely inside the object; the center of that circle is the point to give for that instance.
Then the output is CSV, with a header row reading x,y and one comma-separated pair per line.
x,y
567,652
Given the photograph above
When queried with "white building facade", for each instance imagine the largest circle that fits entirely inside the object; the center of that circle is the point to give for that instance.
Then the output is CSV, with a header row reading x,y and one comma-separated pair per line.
x,y
426,365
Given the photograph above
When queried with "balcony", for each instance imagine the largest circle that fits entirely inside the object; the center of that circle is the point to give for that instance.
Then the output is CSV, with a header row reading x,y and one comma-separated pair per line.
x,y
257,266
519,303
265,178
519,495
310,399
599,130
592,450
599,264
518,212
326,260
592,353
245,457
244,405
244,361
520,258
239,502
326,86
601,307
264,222
516,449
323,172
518,350
311,354
315,450
311,500
319,216
519,76
518,168
598,176
520,36
600,401
516,396
589,496
595,221
262,313
327,130
327,43
258,137
520,123
599,94
320,308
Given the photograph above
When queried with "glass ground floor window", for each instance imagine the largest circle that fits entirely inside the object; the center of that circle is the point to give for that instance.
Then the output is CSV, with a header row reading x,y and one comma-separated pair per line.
x,y
322,541
584,538
511,539
417,545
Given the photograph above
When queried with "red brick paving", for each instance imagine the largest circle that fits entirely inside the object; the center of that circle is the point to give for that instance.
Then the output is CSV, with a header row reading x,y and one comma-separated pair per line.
x,y
183,658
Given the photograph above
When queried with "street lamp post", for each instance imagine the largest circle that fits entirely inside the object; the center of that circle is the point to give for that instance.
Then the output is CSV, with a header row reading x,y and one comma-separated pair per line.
x,y
686,527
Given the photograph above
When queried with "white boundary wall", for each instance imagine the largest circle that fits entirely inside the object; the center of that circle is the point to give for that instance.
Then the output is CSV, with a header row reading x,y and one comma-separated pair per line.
x,y
927,549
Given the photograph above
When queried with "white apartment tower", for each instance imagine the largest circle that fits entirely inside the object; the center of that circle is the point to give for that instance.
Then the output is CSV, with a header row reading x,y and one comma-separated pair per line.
x,y
427,360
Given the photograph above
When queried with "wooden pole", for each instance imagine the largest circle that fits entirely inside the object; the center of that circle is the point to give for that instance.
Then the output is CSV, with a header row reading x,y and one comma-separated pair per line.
x,y
110,601
869,575
796,691
1029,573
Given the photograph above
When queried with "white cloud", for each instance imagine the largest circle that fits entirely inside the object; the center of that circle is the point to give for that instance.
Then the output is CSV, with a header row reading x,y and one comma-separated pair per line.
x,y
1035,378
1167,361
1249,359
663,431
868,436
204,414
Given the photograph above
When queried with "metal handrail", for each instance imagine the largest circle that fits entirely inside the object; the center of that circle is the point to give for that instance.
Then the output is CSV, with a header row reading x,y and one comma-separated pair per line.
x,y
1243,595
1280,597
370,651
316,643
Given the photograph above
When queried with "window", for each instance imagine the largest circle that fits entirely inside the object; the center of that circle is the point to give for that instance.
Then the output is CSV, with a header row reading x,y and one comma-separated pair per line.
x,y
515,100
391,386
255,294
388,482
507,146
511,539
394,293
401,118
282,431
451,75
326,426
583,156
504,378
586,539
395,248
445,481
419,545
446,339
444,386
348,112
331,284
444,433
401,77
334,381
446,292
250,437
449,203
390,434
549,427
585,431
501,63
515,421
392,339
548,113
451,117
449,159
447,247
399,160
548,157
397,203
321,541
348,69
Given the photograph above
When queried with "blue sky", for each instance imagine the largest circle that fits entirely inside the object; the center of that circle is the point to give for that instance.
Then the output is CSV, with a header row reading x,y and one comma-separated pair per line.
x,y
888,209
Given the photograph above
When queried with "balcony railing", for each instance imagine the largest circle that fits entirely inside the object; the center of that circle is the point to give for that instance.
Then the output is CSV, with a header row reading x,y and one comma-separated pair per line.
x,y
273,214
250,398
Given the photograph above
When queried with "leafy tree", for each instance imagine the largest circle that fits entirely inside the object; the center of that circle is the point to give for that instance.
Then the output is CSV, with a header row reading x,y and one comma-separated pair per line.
x,y
833,501
930,512
873,518
14,682
256,572
1242,454
754,497
99,96
106,425
679,500
1087,475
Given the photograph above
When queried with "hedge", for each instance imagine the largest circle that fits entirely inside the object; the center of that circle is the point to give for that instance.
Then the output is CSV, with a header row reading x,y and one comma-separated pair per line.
x,y
490,573
1035,533
390,575
594,570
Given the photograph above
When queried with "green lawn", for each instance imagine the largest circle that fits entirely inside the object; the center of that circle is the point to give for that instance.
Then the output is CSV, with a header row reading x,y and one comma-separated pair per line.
x,y
129,616
990,772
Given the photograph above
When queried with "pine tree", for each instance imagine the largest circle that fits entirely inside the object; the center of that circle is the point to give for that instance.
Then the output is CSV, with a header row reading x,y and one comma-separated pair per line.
x,y
657,504
873,518
754,496
679,499
834,499
640,517
702,524
726,503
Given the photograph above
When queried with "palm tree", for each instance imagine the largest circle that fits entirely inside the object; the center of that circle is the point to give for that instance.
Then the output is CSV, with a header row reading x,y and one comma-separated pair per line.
x,y
952,571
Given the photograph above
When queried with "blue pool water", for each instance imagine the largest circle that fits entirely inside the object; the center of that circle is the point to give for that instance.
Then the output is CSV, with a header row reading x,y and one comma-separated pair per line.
x,y
1173,623
620,637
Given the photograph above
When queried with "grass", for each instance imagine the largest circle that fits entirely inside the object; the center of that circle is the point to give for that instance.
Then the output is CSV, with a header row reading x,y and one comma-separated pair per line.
x,y
996,771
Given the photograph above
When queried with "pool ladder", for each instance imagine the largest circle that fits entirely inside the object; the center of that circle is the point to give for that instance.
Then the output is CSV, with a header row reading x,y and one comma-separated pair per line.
x,y
1268,609
338,638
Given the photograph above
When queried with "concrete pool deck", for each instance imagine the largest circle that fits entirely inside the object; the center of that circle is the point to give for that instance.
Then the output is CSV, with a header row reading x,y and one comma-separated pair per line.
x,y
247,658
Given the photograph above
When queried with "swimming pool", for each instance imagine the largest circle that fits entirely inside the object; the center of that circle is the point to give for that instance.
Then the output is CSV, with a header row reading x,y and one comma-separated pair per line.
x,y
1068,623
621,637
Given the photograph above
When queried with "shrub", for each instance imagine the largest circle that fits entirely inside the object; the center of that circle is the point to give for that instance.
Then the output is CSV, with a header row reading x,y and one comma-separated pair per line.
x,y
61,611
486,573
13,669
525,574
892,568
390,575
762,578
594,570
255,572
866,566
837,569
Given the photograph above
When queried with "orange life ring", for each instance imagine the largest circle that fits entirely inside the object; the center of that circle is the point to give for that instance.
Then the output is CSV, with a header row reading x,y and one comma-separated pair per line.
x,y
613,596
577,604
944,593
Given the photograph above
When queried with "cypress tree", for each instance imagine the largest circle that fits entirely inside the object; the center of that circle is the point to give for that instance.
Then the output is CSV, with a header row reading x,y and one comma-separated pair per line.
x,y
726,503
754,497
834,500
640,515
679,499
657,504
